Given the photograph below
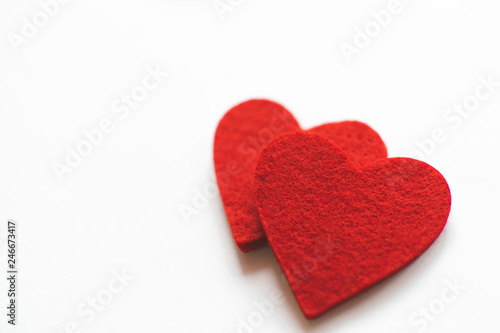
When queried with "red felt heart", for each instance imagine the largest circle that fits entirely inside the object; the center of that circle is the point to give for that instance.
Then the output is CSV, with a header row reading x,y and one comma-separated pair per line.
x,y
239,139
337,230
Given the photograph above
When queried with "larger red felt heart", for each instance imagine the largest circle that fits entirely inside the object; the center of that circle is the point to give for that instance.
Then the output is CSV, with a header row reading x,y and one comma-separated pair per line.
x,y
337,230
239,139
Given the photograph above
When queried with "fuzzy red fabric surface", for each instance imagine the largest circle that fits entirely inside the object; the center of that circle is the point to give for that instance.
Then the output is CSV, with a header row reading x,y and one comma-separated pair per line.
x,y
337,230
239,139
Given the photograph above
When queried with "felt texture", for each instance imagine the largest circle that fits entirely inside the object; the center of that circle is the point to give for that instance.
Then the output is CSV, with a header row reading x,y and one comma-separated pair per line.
x,y
239,139
336,229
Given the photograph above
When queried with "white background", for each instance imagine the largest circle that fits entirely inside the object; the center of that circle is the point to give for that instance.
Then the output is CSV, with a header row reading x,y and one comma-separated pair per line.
x,y
119,209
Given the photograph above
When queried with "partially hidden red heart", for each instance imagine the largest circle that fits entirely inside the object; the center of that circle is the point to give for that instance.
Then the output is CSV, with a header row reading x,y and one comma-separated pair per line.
x,y
239,139
337,230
